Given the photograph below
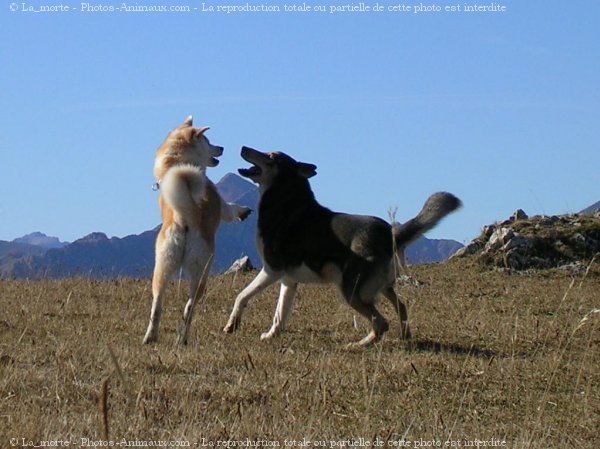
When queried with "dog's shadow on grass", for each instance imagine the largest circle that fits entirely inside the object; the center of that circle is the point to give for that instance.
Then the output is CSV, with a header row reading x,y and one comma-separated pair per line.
x,y
426,345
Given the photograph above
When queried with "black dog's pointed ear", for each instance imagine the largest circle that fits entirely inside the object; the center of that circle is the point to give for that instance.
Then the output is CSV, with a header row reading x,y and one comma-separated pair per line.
x,y
307,170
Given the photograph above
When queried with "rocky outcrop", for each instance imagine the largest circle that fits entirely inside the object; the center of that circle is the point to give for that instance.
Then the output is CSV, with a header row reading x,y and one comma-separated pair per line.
x,y
521,242
242,265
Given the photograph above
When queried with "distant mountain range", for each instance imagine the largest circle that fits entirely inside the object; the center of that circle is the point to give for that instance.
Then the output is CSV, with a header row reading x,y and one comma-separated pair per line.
x,y
590,210
40,240
96,255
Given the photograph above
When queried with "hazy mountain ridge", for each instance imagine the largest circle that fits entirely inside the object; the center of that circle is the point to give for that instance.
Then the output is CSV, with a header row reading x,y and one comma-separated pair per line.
x,y
94,255
97,255
425,250
590,210
41,240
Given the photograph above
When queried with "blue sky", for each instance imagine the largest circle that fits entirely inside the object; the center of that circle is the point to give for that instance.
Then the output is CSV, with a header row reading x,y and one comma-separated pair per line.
x,y
502,109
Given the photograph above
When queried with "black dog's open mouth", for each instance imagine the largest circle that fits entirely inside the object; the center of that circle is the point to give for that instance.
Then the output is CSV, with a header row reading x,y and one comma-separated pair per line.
x,y
214,161
251,172
256,158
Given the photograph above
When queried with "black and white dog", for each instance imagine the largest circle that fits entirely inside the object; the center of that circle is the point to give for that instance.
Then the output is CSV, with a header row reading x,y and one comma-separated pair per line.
x,y
301,241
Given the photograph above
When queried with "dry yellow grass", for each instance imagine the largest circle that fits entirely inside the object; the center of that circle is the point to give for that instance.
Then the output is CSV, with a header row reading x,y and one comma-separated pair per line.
x,y
509,357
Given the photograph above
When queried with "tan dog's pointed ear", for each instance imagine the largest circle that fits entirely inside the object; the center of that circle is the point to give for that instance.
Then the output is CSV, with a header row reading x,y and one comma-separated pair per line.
x,y
197,132
188,121
307,170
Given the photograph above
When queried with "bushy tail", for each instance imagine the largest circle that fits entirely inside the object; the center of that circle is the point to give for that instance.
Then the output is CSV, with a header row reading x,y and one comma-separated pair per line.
x,y
182,188
435,208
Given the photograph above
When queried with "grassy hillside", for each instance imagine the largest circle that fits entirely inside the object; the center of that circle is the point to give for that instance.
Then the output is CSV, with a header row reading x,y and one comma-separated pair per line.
x,y
512,358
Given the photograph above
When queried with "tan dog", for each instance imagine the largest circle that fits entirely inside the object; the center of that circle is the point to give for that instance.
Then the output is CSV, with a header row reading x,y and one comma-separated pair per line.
x,y
191,210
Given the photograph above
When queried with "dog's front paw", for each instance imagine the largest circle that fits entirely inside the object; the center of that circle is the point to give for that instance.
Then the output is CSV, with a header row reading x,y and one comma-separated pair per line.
x,y
272,333
266,336
232,325
151,334
243,213
150,337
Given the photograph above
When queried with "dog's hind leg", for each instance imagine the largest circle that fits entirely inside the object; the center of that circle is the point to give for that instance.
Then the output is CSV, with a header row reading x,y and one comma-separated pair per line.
x,y
359,290
197,262
400,308
379,323
169,253
159,284
198,283
260,282
285,304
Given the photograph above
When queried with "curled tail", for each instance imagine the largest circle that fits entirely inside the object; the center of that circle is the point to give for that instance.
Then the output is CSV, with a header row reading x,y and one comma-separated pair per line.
x,y
435,208
182,188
